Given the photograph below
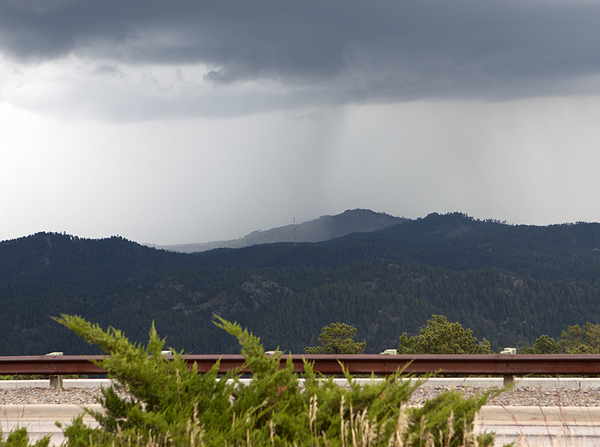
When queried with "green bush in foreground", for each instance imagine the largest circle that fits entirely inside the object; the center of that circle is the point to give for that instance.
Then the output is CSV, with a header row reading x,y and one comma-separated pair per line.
x,y
173,406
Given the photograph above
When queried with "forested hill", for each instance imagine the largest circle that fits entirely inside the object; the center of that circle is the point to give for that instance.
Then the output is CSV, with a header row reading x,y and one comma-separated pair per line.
x,y
452,241
89,263
509,284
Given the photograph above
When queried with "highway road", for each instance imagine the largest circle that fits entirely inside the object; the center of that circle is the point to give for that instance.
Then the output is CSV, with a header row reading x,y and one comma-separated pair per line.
x,y
40,420
542,426
534,426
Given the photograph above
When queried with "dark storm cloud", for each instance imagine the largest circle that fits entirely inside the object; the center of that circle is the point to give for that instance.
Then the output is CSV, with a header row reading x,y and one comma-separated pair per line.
x,y
394,50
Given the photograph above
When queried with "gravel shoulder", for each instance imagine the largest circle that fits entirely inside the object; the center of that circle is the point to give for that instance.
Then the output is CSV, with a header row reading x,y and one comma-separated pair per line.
x,y
521,396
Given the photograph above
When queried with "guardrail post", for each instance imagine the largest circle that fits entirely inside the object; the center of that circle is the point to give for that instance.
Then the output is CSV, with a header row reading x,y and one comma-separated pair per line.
x,y
56,382
509,380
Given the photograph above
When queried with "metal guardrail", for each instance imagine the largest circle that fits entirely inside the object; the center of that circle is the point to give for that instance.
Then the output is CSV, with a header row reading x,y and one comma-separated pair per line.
x,y
506,365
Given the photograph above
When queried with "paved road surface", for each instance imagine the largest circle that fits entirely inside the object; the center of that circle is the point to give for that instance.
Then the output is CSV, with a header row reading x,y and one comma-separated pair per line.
x,y
40,420
539,427
542,426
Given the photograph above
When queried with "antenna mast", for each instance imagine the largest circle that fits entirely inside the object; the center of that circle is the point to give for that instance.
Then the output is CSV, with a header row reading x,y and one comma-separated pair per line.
x,y
294,230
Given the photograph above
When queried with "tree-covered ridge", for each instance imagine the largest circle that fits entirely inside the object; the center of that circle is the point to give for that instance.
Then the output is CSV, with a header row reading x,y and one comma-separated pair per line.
x,y
290,306
509,284
453,241
93,264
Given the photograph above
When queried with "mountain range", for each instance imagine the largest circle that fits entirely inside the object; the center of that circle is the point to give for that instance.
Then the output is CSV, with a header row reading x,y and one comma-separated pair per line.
x,y
508,283
318,230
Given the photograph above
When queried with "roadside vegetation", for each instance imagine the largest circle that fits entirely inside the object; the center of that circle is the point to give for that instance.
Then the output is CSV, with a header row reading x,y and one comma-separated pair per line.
x,y
337,338
575,340
439,336
169,405
173,406
442,337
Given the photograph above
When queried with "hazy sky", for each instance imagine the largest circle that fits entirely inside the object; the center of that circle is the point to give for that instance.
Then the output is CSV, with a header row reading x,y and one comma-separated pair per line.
x,y
198,120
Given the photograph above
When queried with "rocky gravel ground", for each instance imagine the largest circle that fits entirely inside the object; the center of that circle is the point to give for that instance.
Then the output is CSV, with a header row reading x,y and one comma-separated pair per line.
x,y
27,396
544,397
526,396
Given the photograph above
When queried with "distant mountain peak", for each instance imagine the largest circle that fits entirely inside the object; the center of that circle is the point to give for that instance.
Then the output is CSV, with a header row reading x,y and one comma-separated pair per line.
x,y
322,229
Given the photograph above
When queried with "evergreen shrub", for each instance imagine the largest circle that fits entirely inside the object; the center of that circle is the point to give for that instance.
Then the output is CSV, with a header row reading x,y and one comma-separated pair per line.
x,y
171,405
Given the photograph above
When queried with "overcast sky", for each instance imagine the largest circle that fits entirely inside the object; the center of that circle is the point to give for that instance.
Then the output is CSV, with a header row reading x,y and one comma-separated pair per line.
x,y
198,120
